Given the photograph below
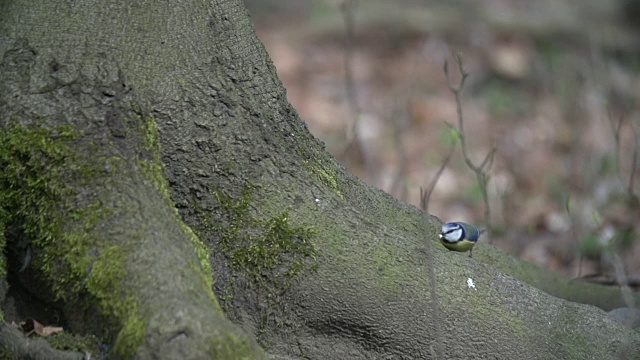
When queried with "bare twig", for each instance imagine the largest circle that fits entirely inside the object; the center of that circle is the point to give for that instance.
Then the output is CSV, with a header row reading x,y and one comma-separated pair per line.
x,y
435,305
604,279
634,160
622,279
347,8
425,196
615,131
481,171
398,188
401,120
353,140
574,235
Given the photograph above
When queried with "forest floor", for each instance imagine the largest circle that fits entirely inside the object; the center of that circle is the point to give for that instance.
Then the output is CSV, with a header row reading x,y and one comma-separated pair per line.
x,y
561,111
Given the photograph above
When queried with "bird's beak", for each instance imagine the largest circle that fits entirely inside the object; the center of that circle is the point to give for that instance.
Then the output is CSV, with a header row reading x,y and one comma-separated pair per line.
x,y
440,236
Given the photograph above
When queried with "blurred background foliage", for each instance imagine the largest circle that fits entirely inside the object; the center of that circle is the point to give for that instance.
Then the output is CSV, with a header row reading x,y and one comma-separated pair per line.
x,y
554,85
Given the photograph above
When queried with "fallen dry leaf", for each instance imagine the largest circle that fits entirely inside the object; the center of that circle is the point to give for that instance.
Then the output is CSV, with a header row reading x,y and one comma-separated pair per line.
x,y
31,325
49,330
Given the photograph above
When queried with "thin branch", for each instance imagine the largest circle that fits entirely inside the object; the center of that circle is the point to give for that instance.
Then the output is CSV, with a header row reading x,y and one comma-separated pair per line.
x,y
602,279
482,170
574,234
397,185
616,130
634,161
435,305
426,196
347,9
433,283
622,279
488,161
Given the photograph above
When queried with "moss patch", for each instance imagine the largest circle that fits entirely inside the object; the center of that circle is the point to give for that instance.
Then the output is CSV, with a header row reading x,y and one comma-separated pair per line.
x,y
132,332
229,346
33,194
388,267
3,263
69,342
326,174
152,168
266,253
38,207
6,354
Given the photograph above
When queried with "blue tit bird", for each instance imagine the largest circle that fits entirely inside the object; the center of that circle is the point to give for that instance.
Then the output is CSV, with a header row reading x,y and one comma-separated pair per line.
x,y
459,236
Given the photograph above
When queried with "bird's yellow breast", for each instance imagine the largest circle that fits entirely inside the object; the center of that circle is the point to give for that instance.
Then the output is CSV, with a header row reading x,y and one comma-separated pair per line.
x,y
464,245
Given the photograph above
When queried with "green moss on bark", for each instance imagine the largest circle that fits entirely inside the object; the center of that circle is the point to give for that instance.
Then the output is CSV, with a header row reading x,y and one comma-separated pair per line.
x,y
3,244
267,254
326,174
39,207
259,247
132,331
6,354
3,263
153,170
229,346
70,342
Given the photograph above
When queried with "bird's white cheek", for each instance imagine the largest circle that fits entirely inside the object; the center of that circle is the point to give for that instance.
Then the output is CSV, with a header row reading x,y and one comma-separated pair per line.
x,y
455,236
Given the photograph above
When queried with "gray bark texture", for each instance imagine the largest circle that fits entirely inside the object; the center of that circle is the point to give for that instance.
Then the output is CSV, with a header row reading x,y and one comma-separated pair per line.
x,y
181,136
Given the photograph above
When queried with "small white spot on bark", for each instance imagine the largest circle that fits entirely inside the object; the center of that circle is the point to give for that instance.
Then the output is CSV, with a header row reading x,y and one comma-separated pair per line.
x,y
470,283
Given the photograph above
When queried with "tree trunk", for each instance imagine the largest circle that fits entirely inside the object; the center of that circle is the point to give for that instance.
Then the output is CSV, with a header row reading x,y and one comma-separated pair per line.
x,y
114,114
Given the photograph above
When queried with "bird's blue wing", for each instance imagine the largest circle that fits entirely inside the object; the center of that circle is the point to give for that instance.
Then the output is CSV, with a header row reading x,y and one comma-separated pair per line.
x,y
471,232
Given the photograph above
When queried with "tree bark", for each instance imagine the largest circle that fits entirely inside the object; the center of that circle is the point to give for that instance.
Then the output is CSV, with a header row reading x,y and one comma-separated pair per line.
x,y
127,111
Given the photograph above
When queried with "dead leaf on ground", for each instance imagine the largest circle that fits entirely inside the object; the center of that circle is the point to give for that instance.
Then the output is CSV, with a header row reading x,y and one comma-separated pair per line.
x,y
31,325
